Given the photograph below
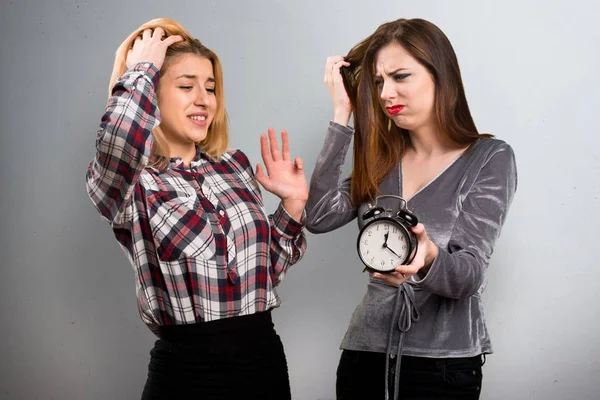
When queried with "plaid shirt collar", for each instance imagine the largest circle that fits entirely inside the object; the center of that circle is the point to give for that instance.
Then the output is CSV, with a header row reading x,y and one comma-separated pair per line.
x,y
176,163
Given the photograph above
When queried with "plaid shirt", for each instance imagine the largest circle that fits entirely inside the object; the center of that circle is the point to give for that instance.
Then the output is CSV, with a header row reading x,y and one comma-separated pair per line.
x,y
201,245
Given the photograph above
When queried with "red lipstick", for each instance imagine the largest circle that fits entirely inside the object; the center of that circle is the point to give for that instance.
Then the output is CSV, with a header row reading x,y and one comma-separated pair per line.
x,y
393,110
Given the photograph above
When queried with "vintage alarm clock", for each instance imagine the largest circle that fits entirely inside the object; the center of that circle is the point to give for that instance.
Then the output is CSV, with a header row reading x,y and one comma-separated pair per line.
x,y
386,241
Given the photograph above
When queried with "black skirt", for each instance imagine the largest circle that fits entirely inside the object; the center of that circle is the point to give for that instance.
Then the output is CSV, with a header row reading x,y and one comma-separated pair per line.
x,y
232,358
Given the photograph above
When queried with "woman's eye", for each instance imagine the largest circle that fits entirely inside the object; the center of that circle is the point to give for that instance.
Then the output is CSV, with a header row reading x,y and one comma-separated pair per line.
x,y
400,77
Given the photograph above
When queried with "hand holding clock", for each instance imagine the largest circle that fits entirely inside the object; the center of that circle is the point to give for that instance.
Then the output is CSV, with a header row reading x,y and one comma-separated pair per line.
x,y
426,254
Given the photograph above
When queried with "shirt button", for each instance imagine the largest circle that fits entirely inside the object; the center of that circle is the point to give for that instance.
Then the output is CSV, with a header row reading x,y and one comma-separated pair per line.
x,y
221,212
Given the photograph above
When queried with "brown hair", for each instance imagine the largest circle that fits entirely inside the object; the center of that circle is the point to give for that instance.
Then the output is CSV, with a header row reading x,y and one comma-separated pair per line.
x,y
217,138
378,143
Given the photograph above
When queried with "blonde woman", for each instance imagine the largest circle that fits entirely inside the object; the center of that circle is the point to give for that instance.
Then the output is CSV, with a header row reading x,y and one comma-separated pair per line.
x,y
189,215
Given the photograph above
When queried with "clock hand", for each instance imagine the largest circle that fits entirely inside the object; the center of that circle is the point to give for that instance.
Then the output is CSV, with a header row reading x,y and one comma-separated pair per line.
x,y
387,247
386,239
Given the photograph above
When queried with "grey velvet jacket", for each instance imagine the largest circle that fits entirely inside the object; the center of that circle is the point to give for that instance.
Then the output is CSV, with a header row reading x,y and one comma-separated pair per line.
x,y
440,313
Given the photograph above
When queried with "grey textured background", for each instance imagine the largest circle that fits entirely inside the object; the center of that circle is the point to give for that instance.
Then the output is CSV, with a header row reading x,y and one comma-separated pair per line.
x,y
69,323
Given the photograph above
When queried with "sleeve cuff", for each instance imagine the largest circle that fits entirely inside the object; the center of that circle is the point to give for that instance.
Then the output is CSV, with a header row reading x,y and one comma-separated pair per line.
x,y
285,225
148,70
342,129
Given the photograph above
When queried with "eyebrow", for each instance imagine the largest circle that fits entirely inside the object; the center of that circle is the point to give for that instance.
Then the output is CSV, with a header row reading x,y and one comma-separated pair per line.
x,y
189,76
391,73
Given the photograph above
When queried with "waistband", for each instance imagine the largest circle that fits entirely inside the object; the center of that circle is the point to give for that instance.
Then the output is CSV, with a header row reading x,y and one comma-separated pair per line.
x,y
247,325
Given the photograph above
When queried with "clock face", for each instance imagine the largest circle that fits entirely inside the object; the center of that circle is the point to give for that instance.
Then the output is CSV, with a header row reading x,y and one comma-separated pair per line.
x,y
383,245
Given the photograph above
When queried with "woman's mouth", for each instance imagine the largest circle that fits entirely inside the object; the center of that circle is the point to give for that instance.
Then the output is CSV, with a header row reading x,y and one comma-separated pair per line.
x,y
393,110
199,119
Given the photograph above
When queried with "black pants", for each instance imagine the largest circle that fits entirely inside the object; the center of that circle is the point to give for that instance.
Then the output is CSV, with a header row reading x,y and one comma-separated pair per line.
x,y
233,358
361,375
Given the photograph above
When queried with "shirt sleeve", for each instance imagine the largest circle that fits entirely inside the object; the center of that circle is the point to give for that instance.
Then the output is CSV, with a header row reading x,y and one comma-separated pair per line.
x,y
329,204
288,240
123,142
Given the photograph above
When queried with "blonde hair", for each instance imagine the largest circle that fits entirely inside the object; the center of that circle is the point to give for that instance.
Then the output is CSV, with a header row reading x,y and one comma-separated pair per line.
x,y
217,138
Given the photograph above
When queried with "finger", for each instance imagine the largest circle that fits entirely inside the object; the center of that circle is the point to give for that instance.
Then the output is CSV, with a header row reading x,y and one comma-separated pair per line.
x,y
341,64
338,65
415,265
335,67
334,59
336,72
418,229
419,261
137,41
172,39
422,237
406,270
285,146
390,279
264,151
261,177
328,70
399,275
329,66
377,275
299,163
275,154
158,33
147,34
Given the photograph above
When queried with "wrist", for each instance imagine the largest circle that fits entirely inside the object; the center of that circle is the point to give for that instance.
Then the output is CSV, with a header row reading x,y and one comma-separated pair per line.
x,y
432,253
341,117
295,208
